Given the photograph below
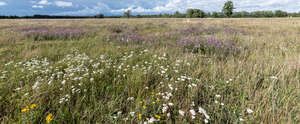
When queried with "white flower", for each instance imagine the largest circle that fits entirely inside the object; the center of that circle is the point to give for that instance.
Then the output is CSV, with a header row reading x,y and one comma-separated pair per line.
x,y
192,111
119,113
164,109
201,110
63,82
218,96
241,119
17,89
168,115
181,112
26,94
205,121
249,111
222,104
152,120
171,104
274,77
36,85
132,113
130,98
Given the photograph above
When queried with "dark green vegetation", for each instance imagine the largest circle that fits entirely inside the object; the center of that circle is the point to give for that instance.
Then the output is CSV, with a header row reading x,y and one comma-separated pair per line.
x,y
157,70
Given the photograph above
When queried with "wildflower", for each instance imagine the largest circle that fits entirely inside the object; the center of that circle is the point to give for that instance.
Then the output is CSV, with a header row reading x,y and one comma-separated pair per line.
x,y
218,96
36,85
181,112
144,107
25,109
192,111
17,89
132,113
241,119
205,121
152,120
274,77
32,106
49,118
201,110
141,102
168,115
157,116
249,111
140,116
63,82
153,102
171,104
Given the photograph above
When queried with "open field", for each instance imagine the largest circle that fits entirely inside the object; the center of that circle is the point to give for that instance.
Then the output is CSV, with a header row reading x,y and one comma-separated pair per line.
x,y
150,71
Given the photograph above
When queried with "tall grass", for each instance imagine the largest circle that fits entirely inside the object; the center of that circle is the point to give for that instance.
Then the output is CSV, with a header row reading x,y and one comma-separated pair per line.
x,y
154,71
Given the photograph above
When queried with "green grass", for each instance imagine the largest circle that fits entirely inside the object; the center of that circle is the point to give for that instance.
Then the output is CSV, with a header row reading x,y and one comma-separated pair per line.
x,y
95,80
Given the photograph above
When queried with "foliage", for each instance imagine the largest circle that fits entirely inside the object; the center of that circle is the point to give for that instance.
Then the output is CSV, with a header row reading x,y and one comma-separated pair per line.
x,y
195,13
228,8
127,13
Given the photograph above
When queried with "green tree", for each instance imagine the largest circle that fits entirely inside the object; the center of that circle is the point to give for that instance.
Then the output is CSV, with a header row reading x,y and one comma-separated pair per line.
x,y
228,8
100,15
189,13
127,13
215,15
279,13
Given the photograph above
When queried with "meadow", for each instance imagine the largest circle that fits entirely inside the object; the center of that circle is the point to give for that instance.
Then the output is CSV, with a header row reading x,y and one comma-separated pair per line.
x,y
150,71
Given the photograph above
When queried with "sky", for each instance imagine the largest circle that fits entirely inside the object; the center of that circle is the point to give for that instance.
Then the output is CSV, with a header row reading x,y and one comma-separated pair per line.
x,y
117,7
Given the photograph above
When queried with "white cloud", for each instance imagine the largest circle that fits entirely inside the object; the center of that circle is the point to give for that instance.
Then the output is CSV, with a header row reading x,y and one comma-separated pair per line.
x,y
37,6
44,2
100,8
63,4
116,7
171,6
3,3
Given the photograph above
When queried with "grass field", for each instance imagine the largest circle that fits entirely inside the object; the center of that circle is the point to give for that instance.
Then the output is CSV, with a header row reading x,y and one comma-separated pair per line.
x,y
150,71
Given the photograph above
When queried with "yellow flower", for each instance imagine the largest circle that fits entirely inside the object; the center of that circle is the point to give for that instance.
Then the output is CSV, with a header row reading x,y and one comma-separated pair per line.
x,y
157,100
32,106
140,116
157,116
25,109
49,118
144,107
141,102
153,102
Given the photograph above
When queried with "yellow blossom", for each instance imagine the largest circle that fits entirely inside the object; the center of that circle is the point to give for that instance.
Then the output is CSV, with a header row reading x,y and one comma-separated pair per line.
x,y
32,106
157,116
49,118
140,116
25,109
153,102
141,102
157,100
144,107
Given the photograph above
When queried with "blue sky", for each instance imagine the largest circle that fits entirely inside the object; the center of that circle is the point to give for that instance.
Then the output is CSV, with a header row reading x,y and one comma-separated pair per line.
x,y
117,7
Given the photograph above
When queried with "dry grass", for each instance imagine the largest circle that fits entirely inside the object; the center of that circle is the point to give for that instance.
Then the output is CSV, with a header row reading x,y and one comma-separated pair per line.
x,y
265,75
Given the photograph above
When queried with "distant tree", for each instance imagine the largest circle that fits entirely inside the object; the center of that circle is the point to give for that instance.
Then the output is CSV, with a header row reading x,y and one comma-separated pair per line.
x,y
189,13
100,15
245,14
268,14
228,8
279,13
177,14
195,13
215,15
127,13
